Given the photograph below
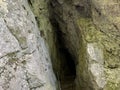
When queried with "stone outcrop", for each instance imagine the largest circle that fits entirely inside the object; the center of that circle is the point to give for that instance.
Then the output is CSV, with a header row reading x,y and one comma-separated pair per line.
x,y
25,62
77,39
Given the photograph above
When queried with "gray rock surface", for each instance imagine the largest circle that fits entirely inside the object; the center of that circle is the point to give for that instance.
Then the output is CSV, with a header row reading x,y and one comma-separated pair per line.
x,y
25,62
34,33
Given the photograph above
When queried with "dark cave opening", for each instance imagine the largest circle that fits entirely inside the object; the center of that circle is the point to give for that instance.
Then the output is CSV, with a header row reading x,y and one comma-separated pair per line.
x,y
67,71
68,63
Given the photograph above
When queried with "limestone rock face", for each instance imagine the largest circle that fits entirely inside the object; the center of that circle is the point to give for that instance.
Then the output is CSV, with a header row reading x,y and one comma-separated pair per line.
x,y
39,36
25,62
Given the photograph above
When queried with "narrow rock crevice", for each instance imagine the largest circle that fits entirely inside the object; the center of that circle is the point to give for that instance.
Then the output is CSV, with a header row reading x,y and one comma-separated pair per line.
x,y
67,71
63,60
76,32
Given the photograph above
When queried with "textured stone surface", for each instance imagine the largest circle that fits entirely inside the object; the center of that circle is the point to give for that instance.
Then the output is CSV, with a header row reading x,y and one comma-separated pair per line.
x,y
42,16
32,33
90,31
25,63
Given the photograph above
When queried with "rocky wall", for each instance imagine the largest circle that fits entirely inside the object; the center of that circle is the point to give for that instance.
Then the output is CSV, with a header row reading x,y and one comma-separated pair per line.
x,y
25,62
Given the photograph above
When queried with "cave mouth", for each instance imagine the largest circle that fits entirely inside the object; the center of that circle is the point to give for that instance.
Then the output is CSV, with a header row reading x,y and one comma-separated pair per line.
x,y
67,71
67,64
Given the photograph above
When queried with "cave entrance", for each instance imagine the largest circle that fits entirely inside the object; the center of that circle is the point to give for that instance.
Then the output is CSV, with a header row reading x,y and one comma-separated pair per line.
x,y
68,71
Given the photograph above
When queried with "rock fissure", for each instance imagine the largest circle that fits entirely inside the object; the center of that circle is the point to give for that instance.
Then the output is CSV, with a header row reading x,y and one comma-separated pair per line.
x,y
78,39
67,69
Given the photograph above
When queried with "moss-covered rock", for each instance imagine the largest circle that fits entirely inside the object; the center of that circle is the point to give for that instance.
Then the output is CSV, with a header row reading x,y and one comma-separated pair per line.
x,y
91,34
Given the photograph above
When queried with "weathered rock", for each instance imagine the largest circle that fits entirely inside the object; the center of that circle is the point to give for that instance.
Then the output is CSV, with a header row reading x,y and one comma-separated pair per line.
x,y
90,31
83,33
42,16
25,62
